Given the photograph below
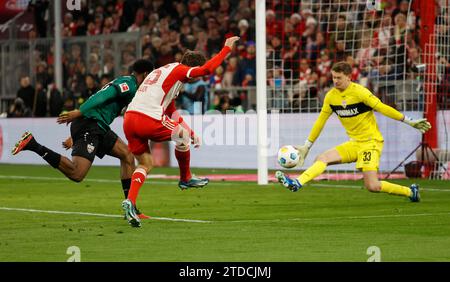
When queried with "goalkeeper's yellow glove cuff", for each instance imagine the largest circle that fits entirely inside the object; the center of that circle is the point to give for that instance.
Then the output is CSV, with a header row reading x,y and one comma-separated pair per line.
x,y
308,144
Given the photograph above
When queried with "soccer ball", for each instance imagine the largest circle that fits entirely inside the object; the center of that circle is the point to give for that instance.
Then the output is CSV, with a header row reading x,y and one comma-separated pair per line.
x,y
288,156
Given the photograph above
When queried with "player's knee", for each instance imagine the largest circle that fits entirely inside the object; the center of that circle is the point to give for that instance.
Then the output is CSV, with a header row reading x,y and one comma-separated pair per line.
x,y
77,174
147,163
76,177
322,158
373,186
182,147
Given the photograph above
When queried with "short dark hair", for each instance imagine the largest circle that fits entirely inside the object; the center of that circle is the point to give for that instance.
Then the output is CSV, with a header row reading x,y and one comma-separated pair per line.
x,y
142,66
343,67
193,59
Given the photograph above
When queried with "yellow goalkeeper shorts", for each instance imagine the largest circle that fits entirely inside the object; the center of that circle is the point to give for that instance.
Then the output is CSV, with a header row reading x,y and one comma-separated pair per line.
x,y
366,154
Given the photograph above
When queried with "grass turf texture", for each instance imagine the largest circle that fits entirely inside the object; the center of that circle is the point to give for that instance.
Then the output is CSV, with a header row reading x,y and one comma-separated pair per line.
x,y
326,221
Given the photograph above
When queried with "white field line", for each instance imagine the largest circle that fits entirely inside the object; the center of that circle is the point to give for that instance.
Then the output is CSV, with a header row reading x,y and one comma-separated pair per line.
x,y
100,214
317,219
175,182
66,179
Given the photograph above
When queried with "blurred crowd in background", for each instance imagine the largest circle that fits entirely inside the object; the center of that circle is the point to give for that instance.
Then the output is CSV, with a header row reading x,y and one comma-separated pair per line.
x,y
302,45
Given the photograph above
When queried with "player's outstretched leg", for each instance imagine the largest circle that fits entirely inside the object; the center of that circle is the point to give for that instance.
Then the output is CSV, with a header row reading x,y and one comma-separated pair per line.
x,y
415,196
28,143
21,145
292,184
130,213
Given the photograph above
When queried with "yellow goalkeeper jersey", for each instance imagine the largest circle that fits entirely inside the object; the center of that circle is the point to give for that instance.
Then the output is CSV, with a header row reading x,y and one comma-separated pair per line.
x,y
354,107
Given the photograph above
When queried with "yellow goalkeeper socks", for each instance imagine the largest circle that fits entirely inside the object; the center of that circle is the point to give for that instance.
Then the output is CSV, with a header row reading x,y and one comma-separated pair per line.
x,y
312,172
391,188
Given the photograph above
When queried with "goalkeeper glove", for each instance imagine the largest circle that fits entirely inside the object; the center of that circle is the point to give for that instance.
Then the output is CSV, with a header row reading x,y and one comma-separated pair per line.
x,y
303,151
420,124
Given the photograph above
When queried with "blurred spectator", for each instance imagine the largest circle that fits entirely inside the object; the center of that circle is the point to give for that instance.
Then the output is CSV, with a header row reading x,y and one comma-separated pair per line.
x,y
364,54
40,101
41,74
18,109
291,57
194,98
355,75
230,71
81,27
383,34
69,27
414,59
343,32
91,88
222,102
56,100
275,50
215,39
105,79
236,105
294,32
108,26
277,83
26,93
94,67
201,42
273,26
215,80
40,9
165,55
246,71
339,53
324,65
138,21
128,10
245,32
399,45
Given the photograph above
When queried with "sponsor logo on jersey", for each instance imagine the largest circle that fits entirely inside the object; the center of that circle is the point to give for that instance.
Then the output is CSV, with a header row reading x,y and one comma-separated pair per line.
x,y
124,87
351,110
90,148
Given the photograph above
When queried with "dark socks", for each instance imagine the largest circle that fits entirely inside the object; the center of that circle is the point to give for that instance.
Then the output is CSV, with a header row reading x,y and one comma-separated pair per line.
x,y
48,155
126,184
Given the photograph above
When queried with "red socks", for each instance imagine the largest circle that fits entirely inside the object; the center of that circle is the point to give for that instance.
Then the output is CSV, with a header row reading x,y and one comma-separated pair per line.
x,y
184,159
137,180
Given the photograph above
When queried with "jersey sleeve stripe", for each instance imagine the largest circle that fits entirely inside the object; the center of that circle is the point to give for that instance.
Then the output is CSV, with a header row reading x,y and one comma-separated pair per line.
x,y
188,75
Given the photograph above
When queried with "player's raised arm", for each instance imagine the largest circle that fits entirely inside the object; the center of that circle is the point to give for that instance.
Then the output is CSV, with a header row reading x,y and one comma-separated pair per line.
x,y
420,124
212,64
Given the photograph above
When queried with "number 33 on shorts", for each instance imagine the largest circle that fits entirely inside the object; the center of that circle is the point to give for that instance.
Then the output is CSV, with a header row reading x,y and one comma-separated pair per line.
x,y
369,157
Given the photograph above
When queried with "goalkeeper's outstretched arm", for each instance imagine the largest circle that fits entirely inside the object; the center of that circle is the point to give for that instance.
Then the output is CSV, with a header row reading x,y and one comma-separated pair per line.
x,y
420,124
303,150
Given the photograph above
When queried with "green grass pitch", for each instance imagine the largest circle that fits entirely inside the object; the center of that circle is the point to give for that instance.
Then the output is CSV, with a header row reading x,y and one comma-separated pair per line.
x,y
236,221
